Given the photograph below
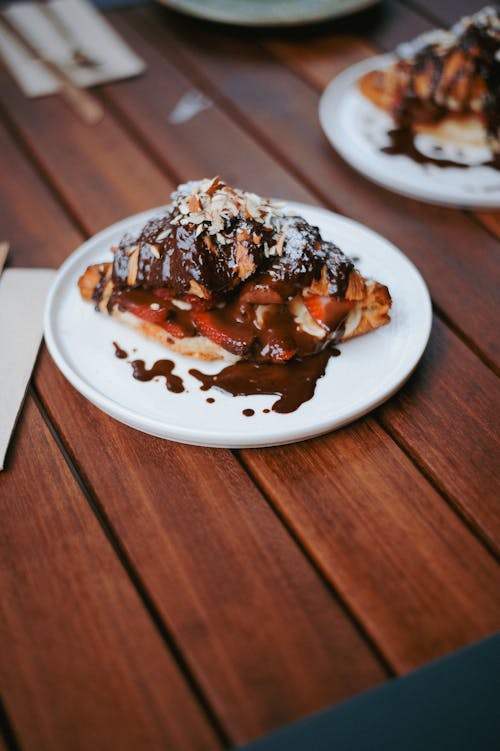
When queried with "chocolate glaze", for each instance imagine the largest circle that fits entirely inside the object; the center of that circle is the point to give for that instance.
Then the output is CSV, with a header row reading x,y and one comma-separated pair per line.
x,y
119,352
160,368
403,143
248,412
185,257
295,382
304,256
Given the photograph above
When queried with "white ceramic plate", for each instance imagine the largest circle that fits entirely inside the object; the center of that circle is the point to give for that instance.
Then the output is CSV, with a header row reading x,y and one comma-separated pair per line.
x,y
358,129
369,370
267,12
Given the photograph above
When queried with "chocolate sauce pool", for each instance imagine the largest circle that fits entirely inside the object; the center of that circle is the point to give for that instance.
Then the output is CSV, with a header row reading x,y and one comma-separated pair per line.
x,y
294,382
403,143
160,368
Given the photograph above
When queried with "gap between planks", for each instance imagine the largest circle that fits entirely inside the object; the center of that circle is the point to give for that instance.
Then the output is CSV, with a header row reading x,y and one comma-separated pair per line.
x,y
8,739
141,589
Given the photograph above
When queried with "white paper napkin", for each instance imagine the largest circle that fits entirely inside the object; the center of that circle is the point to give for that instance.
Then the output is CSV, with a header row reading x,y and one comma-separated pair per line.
x,y
82,27
22,300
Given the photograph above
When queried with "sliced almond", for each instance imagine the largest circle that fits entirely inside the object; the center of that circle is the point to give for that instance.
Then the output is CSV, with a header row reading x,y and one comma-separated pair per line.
x,y
154,251
197,289
279,244
213,186
163,235
133,265
208,242
246,265
106,294
194,204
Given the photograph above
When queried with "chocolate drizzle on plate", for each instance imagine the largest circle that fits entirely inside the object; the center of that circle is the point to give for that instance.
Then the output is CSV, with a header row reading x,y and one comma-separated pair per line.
x,y
294,383
119,352
403,143
160,368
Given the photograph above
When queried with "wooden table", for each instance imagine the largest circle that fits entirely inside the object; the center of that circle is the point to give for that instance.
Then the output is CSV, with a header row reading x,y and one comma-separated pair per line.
x,y
161,596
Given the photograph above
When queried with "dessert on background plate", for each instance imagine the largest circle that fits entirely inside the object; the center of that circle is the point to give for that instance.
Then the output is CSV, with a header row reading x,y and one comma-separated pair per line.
x,y
225,274
445,83
425,120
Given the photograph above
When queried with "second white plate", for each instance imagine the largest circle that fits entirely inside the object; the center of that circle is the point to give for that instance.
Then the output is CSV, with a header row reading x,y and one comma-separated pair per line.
x,y
369,370
358,130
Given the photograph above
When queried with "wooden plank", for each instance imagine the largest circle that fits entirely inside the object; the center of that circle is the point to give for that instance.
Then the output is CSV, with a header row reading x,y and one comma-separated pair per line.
x,y
208,142
282,110
25,202
264,637
446,12
389,545
82,665
477,504
391,24
75,156
492,221
459,628
428,412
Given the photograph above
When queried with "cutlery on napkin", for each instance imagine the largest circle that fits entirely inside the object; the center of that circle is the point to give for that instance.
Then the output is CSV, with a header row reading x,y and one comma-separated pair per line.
x,y
23,291
70,34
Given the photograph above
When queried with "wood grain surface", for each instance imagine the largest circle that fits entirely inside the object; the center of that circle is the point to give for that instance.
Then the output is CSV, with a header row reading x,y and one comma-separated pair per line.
x,y
164,596
482,400
73,676
260,686
282,110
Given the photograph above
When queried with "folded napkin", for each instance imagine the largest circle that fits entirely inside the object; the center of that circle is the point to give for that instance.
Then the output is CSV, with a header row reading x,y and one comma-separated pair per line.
x,y
66,26
23,291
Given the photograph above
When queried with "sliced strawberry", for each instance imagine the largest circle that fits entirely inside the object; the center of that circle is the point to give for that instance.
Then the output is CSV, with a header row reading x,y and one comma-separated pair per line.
x,y
327,311
229,334
261,294
197,303
173,328
163,293
278,349
147,313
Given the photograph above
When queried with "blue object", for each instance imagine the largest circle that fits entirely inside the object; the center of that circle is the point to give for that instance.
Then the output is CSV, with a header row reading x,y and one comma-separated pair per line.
x,y
451,704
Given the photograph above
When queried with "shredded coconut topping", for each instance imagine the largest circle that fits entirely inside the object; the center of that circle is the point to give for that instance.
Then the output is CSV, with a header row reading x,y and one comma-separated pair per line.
x,y
213,206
